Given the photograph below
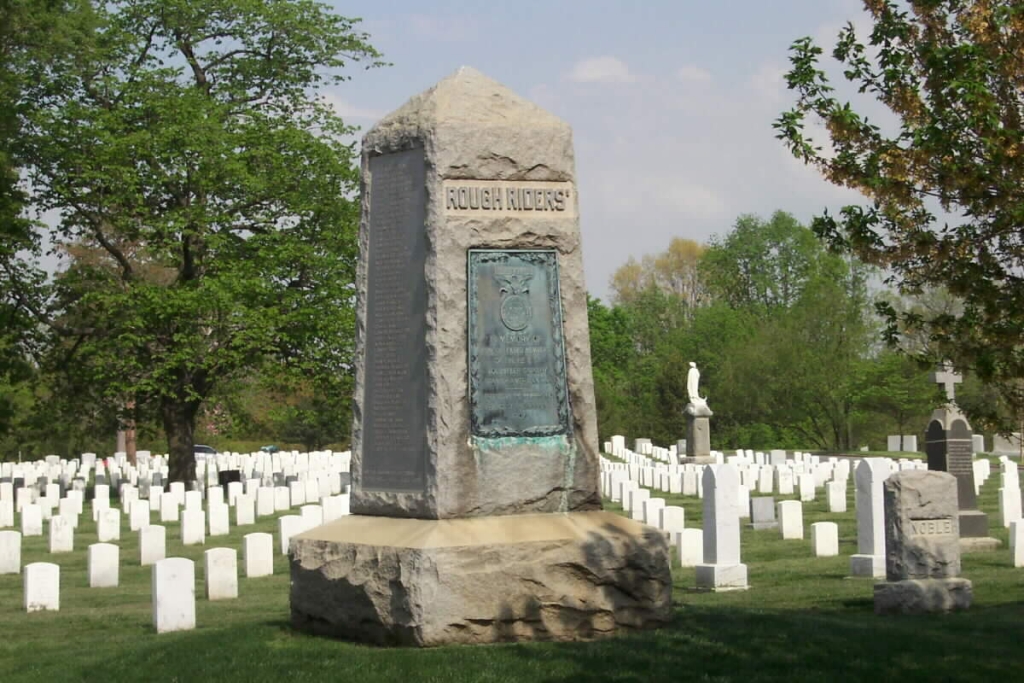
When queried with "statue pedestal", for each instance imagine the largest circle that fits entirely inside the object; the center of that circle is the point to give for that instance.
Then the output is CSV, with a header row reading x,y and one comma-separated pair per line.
x,y
698,430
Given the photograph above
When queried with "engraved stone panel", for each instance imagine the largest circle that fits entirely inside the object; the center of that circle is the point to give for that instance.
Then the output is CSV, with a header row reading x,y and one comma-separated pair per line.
x,y
517,381
395,402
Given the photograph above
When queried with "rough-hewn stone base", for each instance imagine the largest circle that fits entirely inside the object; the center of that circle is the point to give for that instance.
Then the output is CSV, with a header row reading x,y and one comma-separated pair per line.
x,y
422,582
921,596
979,545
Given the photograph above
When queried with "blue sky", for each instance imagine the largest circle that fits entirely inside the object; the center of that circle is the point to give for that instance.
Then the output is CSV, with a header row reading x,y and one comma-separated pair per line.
x,y
671,103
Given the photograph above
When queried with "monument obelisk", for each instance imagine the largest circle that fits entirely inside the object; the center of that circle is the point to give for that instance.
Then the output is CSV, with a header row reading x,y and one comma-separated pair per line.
x,y
476,511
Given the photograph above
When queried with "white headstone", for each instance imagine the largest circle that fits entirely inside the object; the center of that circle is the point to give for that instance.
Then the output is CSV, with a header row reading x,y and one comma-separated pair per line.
x,y
108,525
1009,504
193,527
652,508
791,519
893,443
234,491
104,561
245,510
42,587
721,569
282,498
312,515
806,487
1016,543
62,535
672,520
825,539
10,552
6,513
690,543
220,566
168,508
869,477
836,495
174,594
258,554
152,544
288,526
31,520
219,516
264,501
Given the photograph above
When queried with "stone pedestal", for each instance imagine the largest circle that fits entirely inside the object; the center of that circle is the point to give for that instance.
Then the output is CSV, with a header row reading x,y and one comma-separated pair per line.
x,y
698,431
921,596
420,582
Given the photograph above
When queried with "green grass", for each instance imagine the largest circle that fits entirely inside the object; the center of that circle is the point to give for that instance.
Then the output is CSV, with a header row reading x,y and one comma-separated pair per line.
x,y
801,620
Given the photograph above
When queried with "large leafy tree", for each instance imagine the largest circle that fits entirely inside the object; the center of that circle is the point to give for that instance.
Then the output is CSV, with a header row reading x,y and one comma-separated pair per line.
x,y
205,192
945,183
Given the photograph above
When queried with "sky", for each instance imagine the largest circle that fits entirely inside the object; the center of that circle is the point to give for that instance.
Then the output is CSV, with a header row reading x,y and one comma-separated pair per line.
x,y
671,101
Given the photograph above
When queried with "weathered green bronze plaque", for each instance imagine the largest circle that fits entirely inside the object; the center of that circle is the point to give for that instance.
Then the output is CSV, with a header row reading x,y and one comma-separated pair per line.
x,y
517,384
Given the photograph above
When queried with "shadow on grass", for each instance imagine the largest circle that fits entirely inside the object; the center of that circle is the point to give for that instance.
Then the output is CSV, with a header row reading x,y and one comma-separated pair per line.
x,y
727,644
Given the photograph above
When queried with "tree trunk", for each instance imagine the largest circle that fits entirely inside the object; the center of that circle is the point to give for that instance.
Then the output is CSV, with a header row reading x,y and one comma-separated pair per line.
x,y
179,425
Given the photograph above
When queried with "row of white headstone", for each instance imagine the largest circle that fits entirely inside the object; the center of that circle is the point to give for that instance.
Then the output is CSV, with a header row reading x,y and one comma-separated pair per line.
x,y
173,579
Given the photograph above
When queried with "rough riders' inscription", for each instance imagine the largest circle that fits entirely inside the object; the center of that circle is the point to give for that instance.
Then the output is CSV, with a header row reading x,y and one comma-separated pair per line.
x,y
394,438
932,527
520,198
517,382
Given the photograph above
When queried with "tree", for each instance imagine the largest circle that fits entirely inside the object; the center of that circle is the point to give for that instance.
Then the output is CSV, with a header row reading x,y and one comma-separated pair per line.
x,y
206,192
673,272
763,264
945,187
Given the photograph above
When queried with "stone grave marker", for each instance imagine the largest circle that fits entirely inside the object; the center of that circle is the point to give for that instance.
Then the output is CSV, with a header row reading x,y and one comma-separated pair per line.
x,y
825,539
31,520
762,513
193,527
62,535
258,554
950,448
869,477
721,569
245,510
42,587
922,549
104,561
791,519
174,594
10,552
152,544
220,570
474,417
108,524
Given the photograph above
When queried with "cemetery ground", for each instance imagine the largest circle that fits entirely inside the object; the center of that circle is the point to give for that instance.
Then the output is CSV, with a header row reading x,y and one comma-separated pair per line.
x,y
801,620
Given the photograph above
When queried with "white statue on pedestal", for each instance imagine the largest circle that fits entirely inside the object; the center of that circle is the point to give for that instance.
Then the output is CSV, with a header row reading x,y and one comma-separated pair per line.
x,y
697,405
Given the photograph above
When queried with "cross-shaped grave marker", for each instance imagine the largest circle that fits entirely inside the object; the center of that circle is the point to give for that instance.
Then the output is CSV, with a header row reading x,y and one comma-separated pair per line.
x,y
948,379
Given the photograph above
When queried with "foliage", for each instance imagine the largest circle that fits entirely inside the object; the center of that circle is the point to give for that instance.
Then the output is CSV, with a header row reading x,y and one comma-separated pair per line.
x,y
204,194
786,349
673,272
944,185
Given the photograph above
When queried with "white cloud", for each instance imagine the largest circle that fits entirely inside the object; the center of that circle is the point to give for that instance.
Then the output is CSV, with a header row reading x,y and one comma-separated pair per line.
x,y
347,110
693,74
601,70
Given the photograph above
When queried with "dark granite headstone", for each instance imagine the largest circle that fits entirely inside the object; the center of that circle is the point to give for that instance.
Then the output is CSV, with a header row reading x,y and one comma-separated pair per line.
x,y
225,477
158,479
279,479
950,450
19,482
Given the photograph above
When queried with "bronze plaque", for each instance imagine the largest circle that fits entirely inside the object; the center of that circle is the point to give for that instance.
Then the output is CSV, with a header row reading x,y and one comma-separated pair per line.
x,y
394,439
517,381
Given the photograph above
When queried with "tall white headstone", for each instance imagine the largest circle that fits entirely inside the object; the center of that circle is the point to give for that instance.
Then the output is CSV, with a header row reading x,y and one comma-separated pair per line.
x,y
62,535
869,477
108,524
721,569
152,544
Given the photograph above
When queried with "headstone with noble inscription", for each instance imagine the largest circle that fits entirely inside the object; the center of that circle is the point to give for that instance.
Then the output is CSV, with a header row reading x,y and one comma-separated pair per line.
x,y
474,444
922,548
949,447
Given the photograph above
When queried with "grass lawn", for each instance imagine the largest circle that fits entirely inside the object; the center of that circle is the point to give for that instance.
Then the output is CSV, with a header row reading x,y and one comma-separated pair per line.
x,y
802,620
